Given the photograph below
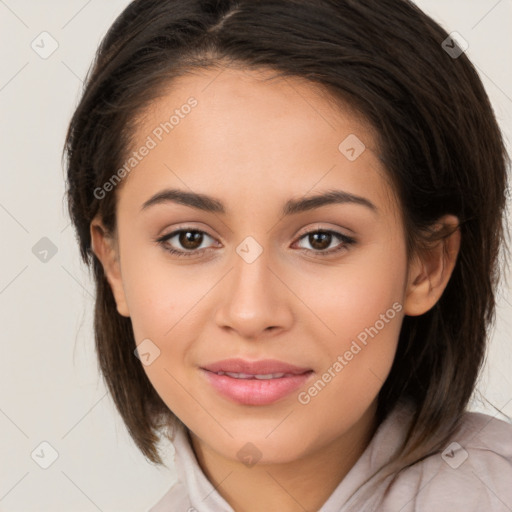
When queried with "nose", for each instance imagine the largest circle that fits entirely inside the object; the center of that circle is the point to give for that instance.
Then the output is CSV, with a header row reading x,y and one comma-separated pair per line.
x,y
255,301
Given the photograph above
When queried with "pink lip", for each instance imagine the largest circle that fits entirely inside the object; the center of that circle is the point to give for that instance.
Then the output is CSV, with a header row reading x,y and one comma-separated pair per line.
x,y
252,391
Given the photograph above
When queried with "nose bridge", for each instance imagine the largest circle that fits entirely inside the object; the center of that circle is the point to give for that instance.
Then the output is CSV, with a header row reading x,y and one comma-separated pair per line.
x,y
255,299
252,273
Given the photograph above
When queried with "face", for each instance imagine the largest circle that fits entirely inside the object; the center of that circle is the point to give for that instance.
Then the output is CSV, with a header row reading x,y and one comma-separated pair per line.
x,y
298,300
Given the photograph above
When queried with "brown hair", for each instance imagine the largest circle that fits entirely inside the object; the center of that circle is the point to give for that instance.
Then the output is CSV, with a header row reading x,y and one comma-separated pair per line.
x,y
438,138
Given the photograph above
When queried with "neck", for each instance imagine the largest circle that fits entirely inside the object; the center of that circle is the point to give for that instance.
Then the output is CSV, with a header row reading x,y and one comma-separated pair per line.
x,y
297,485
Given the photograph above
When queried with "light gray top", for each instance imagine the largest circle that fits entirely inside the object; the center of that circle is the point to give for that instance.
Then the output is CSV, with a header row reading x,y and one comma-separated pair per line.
x,y
474,475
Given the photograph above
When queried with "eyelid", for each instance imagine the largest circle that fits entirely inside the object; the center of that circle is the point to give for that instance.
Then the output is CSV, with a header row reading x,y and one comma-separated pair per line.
x,y
322,227
180,229
301,234
345,241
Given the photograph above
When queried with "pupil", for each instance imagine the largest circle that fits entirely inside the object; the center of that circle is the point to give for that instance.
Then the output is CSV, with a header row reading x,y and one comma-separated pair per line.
x,y
188,241
323,236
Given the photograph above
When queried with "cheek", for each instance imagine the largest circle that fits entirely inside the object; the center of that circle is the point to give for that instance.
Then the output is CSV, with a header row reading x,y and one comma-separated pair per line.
x,y
366,319
342,394
355,296
163,304
360,306
161,295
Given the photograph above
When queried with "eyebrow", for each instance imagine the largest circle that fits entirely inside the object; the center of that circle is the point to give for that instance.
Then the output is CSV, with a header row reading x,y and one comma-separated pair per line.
x,y
291,207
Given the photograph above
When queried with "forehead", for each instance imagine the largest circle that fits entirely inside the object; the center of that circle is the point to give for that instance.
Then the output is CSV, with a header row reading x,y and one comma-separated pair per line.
x,y
225,92
251,128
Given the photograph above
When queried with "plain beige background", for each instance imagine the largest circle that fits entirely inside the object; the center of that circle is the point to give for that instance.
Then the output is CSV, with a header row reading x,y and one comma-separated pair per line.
x,y
50,391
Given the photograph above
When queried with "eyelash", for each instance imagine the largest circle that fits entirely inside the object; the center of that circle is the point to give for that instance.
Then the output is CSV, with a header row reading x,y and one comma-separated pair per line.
x,y
346,241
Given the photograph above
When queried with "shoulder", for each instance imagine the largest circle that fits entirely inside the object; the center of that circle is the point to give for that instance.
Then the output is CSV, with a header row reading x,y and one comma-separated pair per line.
x,y
473,473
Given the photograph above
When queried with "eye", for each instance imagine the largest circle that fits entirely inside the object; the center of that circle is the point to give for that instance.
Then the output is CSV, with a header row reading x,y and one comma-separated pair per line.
x,y
321,239
187,238
190,240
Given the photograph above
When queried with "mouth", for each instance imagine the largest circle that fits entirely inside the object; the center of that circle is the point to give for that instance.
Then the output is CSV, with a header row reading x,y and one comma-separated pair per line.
x,y
255,376
255,382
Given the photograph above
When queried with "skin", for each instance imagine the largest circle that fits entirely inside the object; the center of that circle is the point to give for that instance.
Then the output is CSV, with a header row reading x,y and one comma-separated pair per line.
x,y
254,145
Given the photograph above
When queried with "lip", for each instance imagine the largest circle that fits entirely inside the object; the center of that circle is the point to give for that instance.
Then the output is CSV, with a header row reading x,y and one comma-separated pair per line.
x,y
261,367
253,391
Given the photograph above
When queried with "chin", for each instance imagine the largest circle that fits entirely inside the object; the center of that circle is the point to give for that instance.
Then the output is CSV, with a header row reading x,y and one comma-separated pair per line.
x,y
257,445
